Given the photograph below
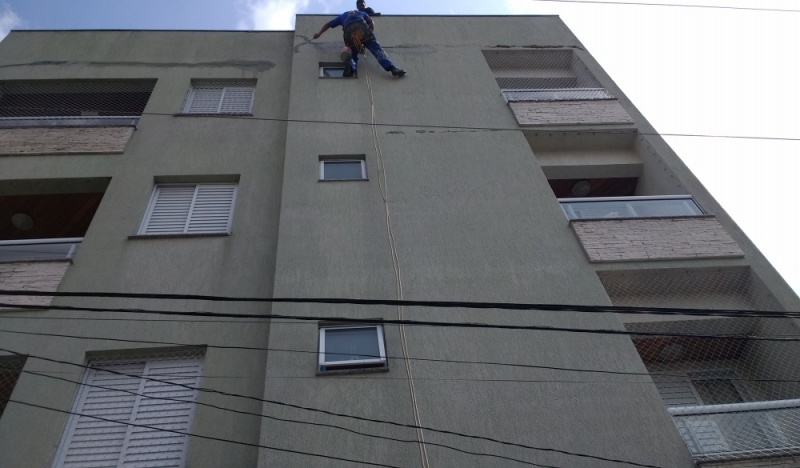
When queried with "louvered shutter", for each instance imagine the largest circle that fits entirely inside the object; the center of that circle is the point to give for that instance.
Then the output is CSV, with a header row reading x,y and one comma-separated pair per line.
x,y
237,100
221,98
212,209
150,447
91,442
190,209
204,100
676,390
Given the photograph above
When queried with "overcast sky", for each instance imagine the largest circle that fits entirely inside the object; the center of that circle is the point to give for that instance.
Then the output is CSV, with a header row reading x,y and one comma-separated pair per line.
x,y
699,71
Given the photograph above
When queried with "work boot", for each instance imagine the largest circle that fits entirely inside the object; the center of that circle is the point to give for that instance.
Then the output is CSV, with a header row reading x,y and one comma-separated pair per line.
x,y
346,55
397,71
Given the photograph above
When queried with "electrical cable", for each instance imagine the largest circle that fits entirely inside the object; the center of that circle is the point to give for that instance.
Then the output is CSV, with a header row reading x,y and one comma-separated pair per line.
x,y
446,361
631,131
197,436
519,306
305,318
275,418
330,413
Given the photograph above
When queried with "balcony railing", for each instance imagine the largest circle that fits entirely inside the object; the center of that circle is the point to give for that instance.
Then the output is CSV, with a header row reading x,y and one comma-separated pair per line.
x,y
740,430
556,94
39,249
630,207
69,121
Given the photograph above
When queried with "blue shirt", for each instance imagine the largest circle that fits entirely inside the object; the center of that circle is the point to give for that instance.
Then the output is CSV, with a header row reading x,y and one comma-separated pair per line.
x,y
348,17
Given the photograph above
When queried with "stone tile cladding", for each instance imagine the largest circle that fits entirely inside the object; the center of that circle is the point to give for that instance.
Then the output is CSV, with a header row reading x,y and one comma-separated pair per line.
x,y
34,276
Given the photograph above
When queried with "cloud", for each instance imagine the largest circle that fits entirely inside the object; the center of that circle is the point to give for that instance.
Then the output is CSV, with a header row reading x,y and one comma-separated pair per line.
x,y
270,14
521,7
8,21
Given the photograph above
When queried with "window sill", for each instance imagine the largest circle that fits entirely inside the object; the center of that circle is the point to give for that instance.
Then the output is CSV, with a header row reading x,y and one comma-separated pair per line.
x,y
343,180
214,114
362,370
176,236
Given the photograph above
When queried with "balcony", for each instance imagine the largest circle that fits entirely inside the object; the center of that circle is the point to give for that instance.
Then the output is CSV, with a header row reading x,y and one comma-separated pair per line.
x,y
620,229
740,430
630,207
39,249
556,94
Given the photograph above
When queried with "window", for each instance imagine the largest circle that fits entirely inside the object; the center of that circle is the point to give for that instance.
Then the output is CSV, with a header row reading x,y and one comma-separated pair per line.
x,y
342,169
10,369
86,102
351,347
335,71
543,75
132,399
220,97
190,209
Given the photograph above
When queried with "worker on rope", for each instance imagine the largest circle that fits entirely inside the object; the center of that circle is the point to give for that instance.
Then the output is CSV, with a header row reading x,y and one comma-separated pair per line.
x,y
358,35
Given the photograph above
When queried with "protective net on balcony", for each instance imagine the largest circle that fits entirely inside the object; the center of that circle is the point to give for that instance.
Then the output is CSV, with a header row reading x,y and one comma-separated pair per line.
x,y
543,75
73,100
731,393
10,369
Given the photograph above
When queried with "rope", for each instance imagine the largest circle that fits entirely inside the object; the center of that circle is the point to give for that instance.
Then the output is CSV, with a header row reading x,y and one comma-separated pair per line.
x,y
382,183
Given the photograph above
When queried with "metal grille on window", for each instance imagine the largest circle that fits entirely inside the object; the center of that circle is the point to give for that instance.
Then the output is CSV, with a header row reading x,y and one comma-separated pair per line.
x,y
730,395
543,75
89,102
220,97
128,392
10,370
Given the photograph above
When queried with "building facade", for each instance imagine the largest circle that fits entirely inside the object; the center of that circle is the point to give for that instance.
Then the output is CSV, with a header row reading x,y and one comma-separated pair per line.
x,y
182,169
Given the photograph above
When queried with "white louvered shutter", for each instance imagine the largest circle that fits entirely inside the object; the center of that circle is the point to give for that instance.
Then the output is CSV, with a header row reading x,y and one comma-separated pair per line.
x,y
212,209
204,100
190,209
90,442
237,100
676,390
221,98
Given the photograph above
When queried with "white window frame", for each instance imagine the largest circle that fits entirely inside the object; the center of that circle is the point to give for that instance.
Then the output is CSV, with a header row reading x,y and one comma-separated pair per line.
x,y
154,198
322,69
224,87
334,161
323,364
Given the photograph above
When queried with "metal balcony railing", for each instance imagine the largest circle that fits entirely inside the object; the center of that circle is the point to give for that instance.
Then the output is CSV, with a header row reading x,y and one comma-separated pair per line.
x,y
67,121
740,430
630,207
39,249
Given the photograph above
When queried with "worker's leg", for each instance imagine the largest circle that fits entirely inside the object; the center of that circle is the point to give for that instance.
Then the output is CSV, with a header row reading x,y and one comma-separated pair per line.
x,y
383,59
380,55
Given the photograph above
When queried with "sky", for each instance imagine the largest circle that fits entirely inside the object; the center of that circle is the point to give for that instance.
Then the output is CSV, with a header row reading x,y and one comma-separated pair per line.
x,y
698,71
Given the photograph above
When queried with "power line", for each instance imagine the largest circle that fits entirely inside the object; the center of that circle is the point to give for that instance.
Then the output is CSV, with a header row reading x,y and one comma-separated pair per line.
x,y
197,436
427,323
330,413
445,361
631,131
520,306
275,418
720,7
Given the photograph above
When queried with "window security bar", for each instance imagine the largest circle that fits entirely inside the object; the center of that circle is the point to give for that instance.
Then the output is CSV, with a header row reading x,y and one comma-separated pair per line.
x,y
39,249
556,94
629,207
